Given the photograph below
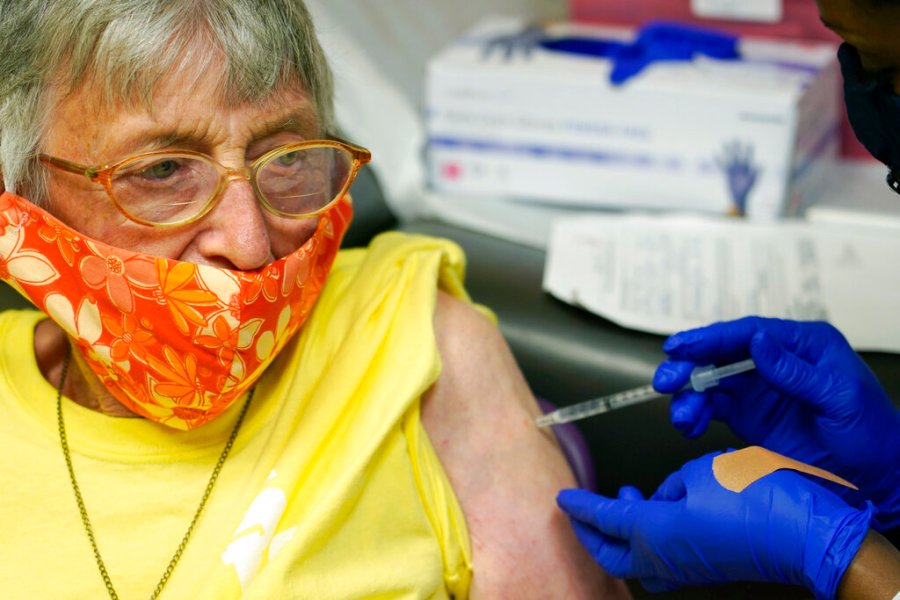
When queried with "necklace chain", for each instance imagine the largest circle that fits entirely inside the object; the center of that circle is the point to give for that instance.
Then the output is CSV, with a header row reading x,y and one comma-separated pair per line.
x,y
81,507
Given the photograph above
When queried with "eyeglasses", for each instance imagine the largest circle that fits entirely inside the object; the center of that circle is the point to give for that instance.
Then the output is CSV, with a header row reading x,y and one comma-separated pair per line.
x,y
162,189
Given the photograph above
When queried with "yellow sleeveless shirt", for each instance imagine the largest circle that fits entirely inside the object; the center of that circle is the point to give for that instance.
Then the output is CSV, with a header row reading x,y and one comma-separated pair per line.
x,y
332,489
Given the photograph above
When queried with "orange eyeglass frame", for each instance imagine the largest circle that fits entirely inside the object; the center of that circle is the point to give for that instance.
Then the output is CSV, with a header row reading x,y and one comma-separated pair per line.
x,y
102,175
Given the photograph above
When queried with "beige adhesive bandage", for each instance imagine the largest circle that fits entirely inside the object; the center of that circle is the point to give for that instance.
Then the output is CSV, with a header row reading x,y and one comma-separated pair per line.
x,y
736,470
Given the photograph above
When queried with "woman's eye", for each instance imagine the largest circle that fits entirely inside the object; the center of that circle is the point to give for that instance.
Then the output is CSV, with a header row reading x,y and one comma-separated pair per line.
x,y
289,158
161,170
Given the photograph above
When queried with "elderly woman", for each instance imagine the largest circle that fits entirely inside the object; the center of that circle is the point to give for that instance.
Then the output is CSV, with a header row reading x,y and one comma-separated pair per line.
x,y
213,401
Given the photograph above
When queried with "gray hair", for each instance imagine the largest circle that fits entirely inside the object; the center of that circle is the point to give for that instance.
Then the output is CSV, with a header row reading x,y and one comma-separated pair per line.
x,y
127,47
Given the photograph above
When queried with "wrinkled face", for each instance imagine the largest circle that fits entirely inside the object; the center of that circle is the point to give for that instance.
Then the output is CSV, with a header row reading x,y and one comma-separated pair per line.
x,y
874,30
186,115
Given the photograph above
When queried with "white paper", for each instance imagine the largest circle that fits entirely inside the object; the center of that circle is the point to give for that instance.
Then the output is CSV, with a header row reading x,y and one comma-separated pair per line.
x,y
767,11
662,274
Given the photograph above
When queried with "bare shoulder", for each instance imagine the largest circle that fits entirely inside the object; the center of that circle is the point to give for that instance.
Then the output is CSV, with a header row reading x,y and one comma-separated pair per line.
x,y
505,471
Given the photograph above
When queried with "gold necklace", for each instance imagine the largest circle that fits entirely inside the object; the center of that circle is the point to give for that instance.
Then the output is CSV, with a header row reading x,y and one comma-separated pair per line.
x,y
81,508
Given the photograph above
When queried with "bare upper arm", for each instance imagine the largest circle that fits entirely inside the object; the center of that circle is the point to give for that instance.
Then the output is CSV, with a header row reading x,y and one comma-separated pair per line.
x,y
504,470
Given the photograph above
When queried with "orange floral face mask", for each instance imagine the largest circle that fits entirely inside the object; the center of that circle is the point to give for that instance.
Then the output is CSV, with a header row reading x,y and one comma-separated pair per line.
x,y
173,341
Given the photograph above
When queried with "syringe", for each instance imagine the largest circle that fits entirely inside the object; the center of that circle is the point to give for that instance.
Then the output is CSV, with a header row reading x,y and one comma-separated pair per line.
x,y
701,379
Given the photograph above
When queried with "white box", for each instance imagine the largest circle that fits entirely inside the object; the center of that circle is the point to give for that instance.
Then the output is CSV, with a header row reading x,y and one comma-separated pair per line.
x,y
547,126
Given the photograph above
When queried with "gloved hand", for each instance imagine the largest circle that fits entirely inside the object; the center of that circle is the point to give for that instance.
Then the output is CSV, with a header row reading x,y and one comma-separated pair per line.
x,y
782,528
810,397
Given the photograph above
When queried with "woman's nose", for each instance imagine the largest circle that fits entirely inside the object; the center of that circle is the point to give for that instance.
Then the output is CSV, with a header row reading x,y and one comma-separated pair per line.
x,y
236,229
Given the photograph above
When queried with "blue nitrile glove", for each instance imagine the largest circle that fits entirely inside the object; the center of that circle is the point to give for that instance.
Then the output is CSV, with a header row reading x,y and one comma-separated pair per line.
x,y
662,41
655,42
782,528
811,397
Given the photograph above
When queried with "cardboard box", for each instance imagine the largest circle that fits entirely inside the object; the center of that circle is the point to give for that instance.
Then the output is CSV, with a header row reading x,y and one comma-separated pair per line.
x,y
511,119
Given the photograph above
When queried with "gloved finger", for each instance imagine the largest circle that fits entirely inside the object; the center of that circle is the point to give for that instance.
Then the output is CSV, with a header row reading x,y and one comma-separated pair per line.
x,y
611,517
628,60
672,489
629,492
727,400
788,373
703,419
686,410
672,375
718,343
611,554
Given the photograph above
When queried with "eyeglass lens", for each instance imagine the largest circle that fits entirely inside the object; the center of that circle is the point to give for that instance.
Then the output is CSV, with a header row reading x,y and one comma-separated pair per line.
x,y
176,187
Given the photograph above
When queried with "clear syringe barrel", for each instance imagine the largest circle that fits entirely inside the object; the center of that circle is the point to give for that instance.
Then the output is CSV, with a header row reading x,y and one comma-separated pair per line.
x,y
702,378
597,406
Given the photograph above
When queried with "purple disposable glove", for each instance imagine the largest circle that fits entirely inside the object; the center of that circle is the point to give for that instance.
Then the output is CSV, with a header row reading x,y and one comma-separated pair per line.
x,y
782,528
811,397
